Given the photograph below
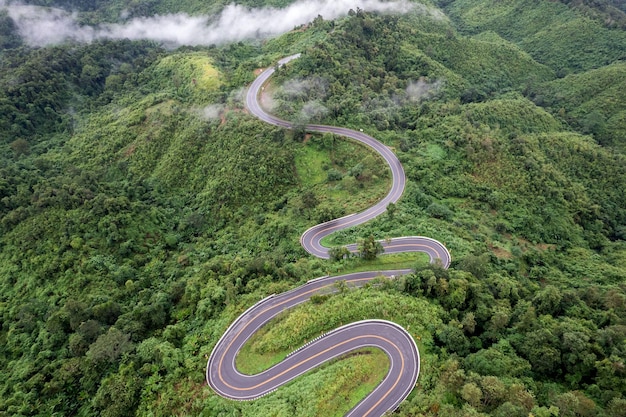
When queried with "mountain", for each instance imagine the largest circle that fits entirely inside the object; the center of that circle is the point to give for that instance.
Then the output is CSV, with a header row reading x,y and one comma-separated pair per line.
x,y
142,209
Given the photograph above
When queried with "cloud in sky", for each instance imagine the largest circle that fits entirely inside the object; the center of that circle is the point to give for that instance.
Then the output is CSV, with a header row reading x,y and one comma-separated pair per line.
x,y
45,26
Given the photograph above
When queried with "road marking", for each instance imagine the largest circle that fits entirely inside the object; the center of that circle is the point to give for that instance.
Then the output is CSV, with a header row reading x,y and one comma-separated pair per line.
x,y
271,308
310,358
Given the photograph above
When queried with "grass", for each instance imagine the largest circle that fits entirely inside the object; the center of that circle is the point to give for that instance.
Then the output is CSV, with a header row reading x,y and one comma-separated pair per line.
x,y
434,152
314,160
374,365
383,262
252,360
360,371
339,384
193,75
334,388
309,163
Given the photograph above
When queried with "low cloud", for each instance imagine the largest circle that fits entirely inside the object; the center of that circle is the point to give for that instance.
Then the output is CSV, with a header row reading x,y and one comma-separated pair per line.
x,y
313,87
312,111
432,12
422,90
44,26
211,112
303,97
383,109
306,94
415,92
40,26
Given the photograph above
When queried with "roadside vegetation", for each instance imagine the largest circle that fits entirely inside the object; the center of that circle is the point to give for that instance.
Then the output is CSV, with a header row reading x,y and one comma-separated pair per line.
x,y
142,210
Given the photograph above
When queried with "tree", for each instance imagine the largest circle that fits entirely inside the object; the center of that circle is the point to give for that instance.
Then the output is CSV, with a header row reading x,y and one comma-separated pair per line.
x,y
119,393
469,322
369,248
391,210
20,146
510,410
472,394
325,212
9,37
498,360
575,403
494,390
298,131
548,300
439,211
109,347
452,337
309,200
617,407
338,253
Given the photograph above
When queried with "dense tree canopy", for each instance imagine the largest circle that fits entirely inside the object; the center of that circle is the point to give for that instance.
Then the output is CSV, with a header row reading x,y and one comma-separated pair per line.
x,y
142,209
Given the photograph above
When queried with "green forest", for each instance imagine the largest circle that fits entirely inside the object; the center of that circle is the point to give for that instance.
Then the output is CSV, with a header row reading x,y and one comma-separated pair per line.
x,y
142,209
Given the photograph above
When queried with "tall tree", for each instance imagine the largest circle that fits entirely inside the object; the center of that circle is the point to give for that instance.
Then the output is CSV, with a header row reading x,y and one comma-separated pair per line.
x,y
369,248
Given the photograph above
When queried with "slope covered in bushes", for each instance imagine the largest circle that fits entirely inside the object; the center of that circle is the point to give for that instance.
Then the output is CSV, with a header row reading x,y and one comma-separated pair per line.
x,y
142,209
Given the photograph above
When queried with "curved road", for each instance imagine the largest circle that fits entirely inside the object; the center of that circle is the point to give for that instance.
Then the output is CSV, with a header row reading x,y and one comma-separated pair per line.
x,y
395,341
310,239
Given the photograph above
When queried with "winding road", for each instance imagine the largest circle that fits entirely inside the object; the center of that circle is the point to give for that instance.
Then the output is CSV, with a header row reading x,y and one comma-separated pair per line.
x,y
395,341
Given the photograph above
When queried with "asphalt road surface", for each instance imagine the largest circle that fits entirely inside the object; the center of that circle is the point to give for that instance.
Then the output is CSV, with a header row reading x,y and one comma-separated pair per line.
x,y
310,239
395,341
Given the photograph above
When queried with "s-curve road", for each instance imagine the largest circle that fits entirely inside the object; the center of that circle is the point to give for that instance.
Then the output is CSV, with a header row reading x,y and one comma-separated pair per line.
x,y
396,342
311,238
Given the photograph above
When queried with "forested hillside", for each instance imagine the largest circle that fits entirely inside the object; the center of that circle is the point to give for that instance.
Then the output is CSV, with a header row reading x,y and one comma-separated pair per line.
x,y
142,209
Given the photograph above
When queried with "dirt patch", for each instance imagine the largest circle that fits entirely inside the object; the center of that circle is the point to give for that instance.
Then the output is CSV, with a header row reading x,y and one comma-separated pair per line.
x,y
501,253
224,113
131,150
545,246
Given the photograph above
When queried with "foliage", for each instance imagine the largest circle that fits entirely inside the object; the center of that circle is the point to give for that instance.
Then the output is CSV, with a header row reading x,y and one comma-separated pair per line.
x,y
141,210
370,248
554,35
337,253
591,102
